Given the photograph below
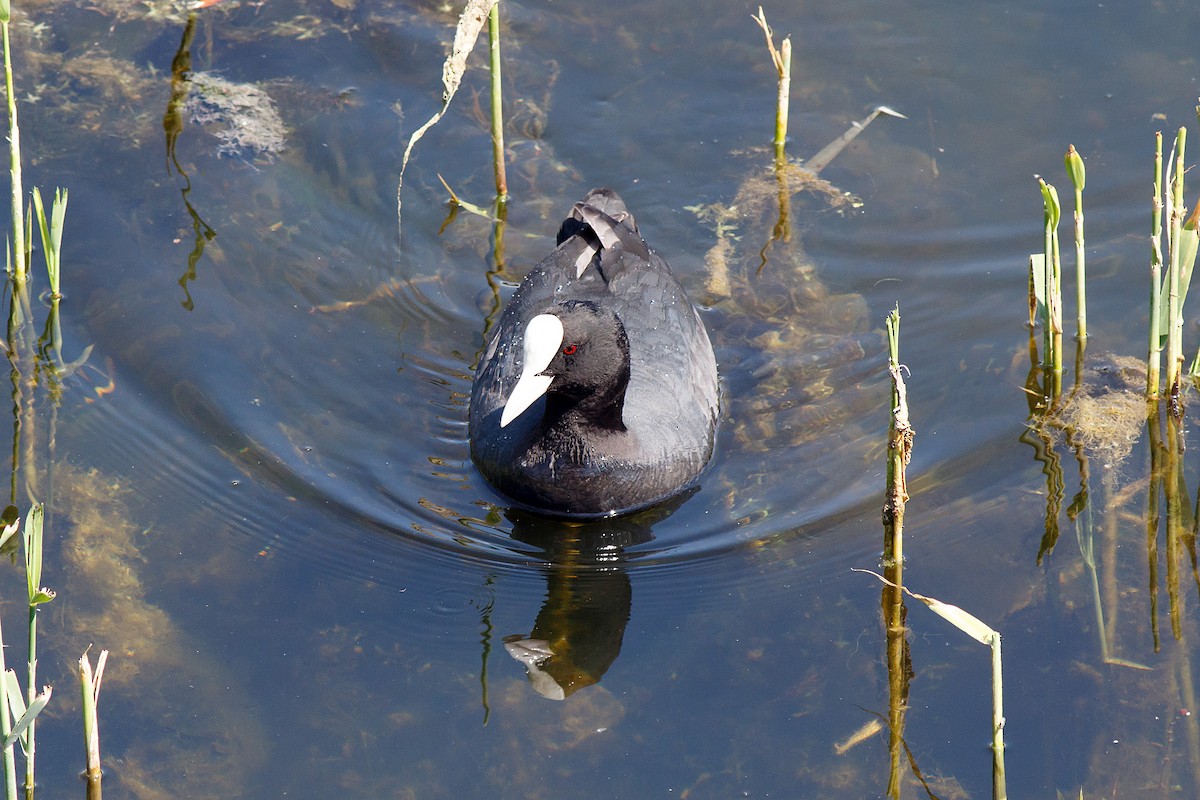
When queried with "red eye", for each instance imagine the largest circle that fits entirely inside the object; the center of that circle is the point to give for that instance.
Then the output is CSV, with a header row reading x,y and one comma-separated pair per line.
x,y
569,350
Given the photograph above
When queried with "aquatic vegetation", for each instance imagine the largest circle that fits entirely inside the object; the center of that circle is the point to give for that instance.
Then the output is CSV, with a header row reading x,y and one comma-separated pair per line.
x,y
1078,175
243,116
52,232
1045,294
1115,402
900,441
34,365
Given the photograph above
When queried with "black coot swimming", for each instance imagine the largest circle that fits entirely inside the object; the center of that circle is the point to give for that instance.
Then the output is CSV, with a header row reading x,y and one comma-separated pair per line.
x,y
597,394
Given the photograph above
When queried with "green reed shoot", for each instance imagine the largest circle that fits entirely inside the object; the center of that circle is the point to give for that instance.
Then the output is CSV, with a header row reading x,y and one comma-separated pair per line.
x,y
1045,283
38,595
1077,174
52,231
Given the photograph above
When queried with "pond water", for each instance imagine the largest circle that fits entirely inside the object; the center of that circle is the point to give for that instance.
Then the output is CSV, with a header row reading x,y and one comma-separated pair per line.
x,y
260,491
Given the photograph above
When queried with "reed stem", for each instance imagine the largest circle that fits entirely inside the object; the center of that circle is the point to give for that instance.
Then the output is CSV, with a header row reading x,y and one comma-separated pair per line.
x,y
1174,240
900,439
999,784
6,723
33,534
19,266
1154,354
1075,169
783,97
781,57
497,107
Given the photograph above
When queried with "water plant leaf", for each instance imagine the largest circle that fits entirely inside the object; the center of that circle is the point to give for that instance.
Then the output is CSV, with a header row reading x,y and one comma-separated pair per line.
x,y
1037,287
23,722
42,595
52,232
1050,204
478,211
14,693
470,23
33,551
963,620
1188,244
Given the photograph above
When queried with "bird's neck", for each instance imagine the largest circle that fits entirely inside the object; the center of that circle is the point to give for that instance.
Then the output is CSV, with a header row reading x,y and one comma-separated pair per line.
x,y
598,412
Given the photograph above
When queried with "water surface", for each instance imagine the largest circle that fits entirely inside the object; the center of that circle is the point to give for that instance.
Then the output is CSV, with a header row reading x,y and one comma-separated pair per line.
x,y
270,516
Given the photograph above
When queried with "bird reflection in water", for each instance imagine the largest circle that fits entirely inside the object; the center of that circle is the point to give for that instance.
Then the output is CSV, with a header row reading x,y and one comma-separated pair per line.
x,y
578,632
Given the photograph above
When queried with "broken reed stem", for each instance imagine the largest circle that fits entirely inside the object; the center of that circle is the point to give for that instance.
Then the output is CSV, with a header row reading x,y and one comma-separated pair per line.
x,y
1154,355
999,784
781,57
782,99
89,684
892,601
1075,170
497,107
900,439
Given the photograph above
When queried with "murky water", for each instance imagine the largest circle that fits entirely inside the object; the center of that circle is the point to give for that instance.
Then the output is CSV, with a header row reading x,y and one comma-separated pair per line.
x,y
263,503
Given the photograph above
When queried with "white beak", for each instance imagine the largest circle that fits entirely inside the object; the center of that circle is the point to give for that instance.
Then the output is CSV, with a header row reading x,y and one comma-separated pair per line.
x,y
543,336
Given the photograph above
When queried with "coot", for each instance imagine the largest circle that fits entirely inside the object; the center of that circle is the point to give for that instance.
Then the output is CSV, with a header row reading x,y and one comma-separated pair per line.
x,y
597,393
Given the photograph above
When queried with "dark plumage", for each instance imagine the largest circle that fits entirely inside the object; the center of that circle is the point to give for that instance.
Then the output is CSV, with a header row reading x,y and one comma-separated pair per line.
x,y
618,407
